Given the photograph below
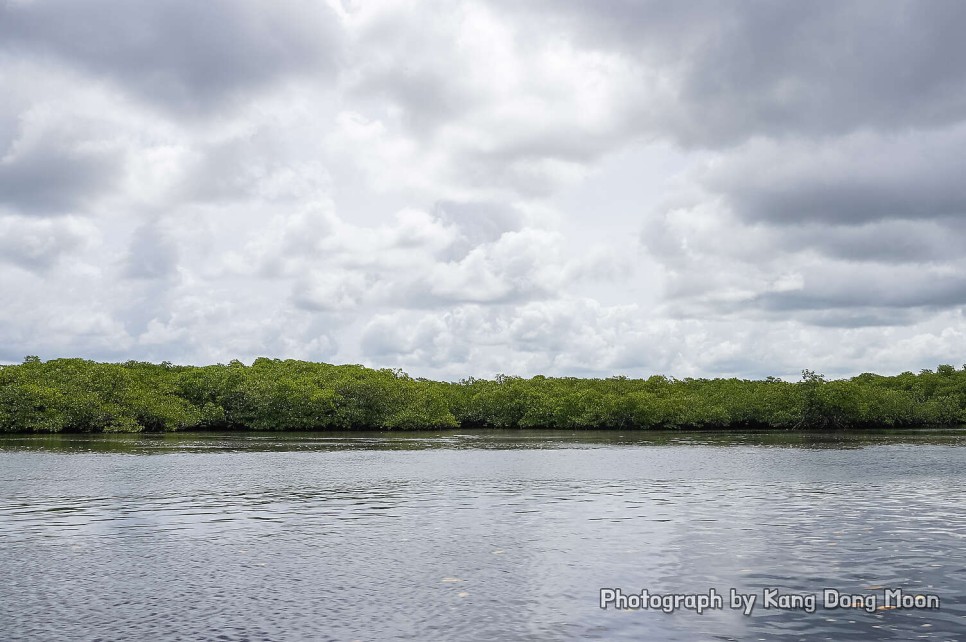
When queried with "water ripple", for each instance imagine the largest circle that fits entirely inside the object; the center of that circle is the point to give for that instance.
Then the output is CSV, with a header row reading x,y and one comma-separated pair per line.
x,y
461,543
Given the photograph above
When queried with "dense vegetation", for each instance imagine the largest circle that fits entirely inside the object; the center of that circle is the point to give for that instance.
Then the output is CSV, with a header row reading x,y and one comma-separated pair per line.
x,y
74,395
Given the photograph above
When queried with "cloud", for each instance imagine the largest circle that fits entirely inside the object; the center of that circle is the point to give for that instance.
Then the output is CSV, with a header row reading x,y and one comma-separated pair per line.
x,y
36,245
883,273
862,229
176,54
53,181
828,286
506,110
851,180
419,259
150,254
895,242
466,188
572,335
578,336
735,70
50,163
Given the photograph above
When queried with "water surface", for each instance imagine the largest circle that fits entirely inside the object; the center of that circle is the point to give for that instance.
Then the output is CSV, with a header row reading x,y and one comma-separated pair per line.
x,y
480,536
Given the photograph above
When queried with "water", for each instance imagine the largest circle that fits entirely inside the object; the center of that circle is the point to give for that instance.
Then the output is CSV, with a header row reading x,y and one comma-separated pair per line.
x,y
483,536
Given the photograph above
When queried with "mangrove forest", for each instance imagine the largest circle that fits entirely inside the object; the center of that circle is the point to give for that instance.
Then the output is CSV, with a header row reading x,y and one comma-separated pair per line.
x,y
76,395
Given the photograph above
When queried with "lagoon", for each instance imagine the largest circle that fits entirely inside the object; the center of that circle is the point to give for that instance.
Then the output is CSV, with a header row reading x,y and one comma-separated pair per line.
x,y
483,535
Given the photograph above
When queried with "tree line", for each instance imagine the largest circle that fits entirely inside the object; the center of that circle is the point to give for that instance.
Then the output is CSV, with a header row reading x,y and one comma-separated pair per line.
x,y
76,395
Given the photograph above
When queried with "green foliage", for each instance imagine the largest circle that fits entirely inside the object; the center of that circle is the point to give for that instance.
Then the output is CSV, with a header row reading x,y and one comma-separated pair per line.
x,y
74,395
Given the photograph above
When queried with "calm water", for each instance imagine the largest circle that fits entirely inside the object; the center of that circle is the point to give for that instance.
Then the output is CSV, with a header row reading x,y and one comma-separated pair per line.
x,y
489,536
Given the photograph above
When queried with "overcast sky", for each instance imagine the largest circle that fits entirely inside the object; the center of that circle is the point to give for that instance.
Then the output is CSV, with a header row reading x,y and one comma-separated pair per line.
x,y
457,188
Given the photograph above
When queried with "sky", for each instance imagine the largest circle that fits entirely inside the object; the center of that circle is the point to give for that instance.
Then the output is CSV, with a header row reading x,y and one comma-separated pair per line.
x,y
466,188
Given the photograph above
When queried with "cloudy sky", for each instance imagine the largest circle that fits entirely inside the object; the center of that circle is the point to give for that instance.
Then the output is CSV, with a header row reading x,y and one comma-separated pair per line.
x,y
460,188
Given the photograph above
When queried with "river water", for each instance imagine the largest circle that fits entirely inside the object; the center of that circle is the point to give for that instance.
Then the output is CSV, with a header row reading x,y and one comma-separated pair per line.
x,y
478,536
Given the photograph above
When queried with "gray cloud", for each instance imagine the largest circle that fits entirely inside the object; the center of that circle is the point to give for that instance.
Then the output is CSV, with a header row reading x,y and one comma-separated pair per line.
x,y
178,54
477,223
861,318
428,96
150,254
888,242
859,288
862,230
852,180
37,245
737,69
54,177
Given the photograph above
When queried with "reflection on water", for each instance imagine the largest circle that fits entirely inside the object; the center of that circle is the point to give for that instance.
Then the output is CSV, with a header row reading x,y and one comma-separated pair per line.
x,y
483,536
148,443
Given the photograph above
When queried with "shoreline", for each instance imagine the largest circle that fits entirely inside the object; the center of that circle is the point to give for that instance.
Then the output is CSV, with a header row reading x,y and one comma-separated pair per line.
x,y
79,396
